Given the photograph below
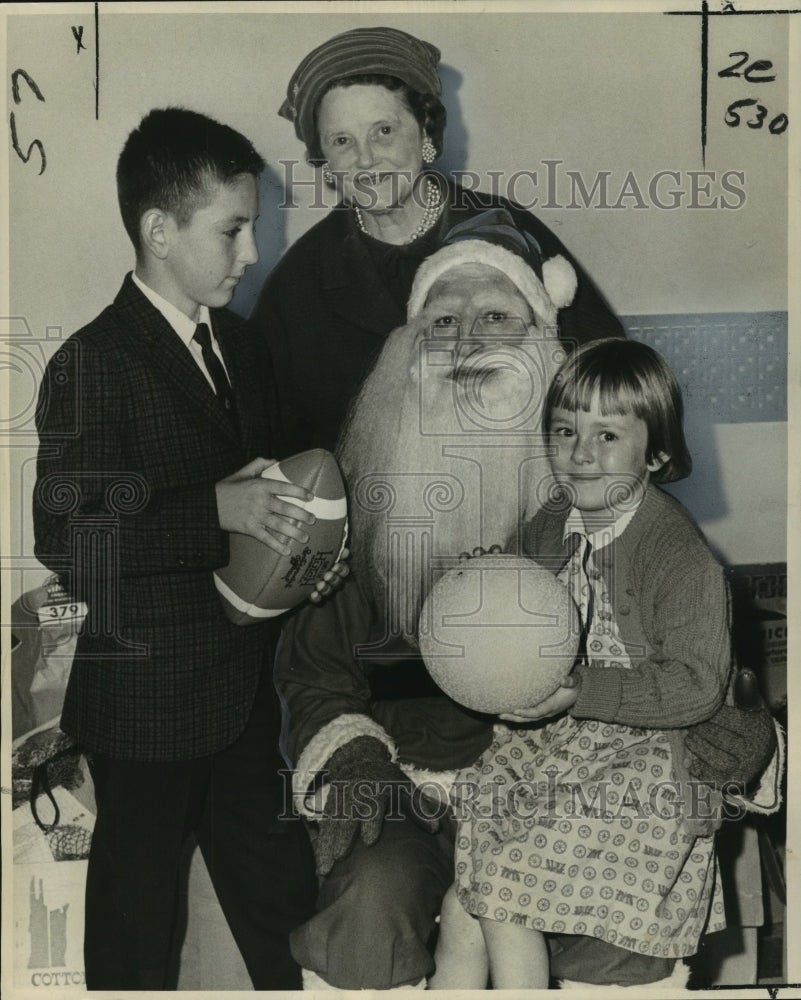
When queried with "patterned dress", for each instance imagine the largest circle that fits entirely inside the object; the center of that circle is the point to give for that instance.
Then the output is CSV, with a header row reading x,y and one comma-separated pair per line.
x,y
576,827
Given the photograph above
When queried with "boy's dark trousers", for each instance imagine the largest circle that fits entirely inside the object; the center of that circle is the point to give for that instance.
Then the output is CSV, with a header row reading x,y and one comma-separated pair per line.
x,y
261,865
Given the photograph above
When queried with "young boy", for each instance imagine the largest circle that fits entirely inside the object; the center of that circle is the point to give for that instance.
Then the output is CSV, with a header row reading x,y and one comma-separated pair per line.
x,y
154,423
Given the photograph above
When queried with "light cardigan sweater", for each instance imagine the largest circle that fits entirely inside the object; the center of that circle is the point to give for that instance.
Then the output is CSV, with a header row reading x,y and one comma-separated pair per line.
x,y
671,604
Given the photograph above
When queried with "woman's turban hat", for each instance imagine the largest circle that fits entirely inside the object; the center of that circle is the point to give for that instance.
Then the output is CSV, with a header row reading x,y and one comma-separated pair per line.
x,y
386,51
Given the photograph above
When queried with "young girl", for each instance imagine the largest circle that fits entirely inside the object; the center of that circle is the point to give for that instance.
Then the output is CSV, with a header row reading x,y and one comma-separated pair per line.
x,y
577,830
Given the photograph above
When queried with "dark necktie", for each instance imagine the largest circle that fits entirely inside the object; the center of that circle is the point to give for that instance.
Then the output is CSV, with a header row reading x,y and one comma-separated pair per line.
x,y
585,564
214,367
585,597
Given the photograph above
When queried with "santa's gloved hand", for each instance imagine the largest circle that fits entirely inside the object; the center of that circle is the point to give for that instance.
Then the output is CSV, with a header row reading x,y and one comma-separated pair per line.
x,y
738,742
364,787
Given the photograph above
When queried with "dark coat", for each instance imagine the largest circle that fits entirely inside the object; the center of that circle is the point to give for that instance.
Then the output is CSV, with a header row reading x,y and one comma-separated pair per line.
x,y
343,672
330,303
132,442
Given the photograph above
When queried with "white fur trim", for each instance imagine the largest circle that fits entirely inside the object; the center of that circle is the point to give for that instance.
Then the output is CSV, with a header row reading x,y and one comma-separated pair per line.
x,y
676,980
560,280
767,798
438,783
311,981
510,264
318,750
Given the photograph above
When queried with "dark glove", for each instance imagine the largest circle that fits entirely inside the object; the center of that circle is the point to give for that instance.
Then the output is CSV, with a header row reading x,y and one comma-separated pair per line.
x,y
737,743
363,785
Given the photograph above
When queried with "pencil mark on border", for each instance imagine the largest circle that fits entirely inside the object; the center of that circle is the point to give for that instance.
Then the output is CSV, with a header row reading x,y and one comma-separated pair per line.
x,y
97,61
705,13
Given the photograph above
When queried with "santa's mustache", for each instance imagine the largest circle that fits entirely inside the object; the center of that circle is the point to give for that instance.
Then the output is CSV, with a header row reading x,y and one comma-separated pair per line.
x,y
443,453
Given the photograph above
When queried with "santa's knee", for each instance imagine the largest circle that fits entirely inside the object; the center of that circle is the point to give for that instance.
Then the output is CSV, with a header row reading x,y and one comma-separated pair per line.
x,y
581,961
676,980
376,914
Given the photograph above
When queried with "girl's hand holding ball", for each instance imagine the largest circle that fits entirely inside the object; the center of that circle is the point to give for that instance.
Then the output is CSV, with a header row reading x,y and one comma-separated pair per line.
x,y
563,698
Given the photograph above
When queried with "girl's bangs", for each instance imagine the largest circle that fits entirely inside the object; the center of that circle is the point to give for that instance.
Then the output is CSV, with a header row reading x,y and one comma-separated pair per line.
x,y
610,392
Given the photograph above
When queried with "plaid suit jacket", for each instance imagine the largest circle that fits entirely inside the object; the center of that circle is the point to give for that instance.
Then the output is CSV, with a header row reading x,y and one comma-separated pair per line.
x,y
132,442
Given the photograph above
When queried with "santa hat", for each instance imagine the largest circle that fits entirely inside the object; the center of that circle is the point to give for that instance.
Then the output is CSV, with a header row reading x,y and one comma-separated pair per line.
x,y
493,239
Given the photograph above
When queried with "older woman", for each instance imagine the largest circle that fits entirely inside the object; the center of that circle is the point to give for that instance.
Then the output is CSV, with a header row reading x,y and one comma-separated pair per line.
x,y
367,106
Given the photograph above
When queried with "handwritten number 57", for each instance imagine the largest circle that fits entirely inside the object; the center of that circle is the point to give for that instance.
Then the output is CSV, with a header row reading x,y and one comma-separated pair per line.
x,y
37,143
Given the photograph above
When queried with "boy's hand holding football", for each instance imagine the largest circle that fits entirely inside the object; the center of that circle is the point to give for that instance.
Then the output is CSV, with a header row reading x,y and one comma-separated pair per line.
x,y
251,505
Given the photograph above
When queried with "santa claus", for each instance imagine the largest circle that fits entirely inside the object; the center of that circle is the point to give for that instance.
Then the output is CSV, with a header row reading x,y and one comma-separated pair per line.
x,y
443,455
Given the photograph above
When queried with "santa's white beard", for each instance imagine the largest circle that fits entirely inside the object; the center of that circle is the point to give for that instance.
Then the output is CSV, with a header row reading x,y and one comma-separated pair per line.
x,y
443,453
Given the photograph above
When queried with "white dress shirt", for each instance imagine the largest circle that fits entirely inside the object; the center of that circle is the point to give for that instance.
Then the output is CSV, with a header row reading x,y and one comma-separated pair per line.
x,y
183,326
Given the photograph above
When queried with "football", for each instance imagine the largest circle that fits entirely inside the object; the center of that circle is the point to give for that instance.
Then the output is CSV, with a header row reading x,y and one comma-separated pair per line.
x,y
499,633
259,583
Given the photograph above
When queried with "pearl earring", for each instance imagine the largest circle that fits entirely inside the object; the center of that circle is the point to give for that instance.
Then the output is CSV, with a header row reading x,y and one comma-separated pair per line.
x,y
328,175
429,151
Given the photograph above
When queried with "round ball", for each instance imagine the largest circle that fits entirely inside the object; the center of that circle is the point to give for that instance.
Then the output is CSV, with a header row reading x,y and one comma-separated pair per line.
x,y
499,633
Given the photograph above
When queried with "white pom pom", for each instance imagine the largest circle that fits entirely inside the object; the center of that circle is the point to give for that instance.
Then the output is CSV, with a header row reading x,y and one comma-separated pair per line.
x,y
560,280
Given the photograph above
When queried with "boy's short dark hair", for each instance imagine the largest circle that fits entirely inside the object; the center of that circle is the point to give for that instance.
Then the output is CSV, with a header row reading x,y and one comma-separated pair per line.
x,y
626,376
171,158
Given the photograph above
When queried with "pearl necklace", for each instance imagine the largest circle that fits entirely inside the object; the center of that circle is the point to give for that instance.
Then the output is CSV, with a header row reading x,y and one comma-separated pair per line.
x,y
430,215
